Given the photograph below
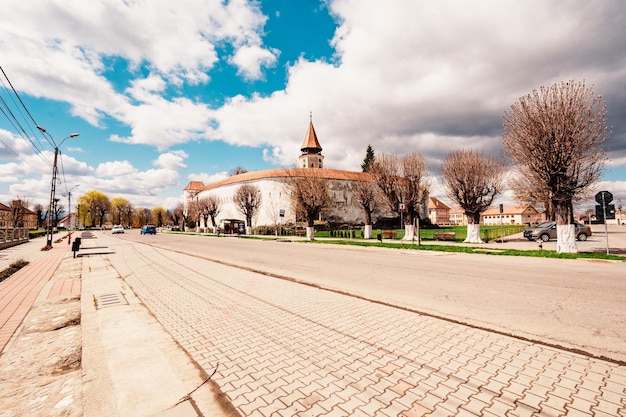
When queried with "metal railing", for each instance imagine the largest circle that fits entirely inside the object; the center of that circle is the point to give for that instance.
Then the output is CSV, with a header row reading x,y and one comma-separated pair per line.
x,y
13,236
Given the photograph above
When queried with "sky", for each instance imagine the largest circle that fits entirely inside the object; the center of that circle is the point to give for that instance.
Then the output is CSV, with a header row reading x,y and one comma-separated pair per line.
x,y
162,93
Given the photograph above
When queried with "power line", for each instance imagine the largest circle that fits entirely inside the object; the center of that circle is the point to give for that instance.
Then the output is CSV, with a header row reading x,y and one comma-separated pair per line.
x,y
63,171
23,105
12,117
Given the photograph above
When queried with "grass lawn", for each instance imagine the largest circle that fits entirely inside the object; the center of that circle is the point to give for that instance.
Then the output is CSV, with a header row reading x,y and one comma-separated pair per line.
x,y
477,250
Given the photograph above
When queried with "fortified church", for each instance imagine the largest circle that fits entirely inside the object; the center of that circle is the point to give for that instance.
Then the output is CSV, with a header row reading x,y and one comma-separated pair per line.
x,y
276,203
275,195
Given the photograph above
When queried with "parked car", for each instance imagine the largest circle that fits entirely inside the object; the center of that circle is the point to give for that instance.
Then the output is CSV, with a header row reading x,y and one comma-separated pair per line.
x,y
547,231
148,230
117,229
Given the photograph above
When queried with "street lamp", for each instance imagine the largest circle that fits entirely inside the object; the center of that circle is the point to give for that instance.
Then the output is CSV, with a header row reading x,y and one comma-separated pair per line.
x,y
54,179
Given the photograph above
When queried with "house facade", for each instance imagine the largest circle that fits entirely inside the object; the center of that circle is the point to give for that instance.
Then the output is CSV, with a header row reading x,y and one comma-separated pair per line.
x,y
438,212
17,215
510,215
457,216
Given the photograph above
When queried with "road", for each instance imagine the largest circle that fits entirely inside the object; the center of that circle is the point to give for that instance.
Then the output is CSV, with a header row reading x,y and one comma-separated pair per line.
x,y
574,304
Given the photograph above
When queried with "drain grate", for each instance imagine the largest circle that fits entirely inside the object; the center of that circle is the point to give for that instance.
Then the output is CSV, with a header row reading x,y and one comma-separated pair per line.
x,y
109,300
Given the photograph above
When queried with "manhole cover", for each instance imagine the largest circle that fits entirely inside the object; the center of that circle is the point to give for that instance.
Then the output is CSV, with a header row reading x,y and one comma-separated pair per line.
x,y
110,300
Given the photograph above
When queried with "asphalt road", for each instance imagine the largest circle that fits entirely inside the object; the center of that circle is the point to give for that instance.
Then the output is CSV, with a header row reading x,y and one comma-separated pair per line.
x,y
573,304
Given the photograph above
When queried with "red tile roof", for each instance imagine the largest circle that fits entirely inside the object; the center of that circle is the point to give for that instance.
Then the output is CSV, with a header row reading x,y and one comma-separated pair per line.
x,y
334,174
434,203
195,186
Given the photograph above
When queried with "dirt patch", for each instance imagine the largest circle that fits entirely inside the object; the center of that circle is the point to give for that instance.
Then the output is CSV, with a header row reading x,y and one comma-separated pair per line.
x,y
54,315
40,371
12,269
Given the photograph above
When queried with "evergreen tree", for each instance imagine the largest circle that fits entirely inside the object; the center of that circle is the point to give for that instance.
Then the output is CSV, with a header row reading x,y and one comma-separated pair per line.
x,y
369,159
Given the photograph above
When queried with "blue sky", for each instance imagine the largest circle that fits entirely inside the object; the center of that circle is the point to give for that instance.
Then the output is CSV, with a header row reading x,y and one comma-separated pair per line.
x,y
163,93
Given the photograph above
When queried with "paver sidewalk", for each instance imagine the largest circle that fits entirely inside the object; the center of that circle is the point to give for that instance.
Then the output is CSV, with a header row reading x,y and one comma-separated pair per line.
x,y
20,290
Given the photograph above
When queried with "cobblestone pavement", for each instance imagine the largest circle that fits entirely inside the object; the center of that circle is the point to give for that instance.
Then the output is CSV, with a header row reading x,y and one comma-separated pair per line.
x,y
286,349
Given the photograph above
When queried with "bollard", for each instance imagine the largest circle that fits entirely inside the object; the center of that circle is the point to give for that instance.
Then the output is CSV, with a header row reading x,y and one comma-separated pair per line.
x,y
75,246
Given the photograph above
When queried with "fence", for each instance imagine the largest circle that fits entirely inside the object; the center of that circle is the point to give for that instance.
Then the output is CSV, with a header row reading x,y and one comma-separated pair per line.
x,y
13,236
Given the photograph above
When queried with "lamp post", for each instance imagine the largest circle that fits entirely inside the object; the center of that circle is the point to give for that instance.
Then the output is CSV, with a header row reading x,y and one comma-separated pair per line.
x,y
54,180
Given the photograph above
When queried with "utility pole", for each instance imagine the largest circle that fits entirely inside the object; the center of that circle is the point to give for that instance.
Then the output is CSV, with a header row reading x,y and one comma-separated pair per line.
x,y
69,208
54,181
52,192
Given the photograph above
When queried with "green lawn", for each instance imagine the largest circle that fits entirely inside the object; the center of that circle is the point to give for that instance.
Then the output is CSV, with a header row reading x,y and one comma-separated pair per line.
x,y
476,250
486,232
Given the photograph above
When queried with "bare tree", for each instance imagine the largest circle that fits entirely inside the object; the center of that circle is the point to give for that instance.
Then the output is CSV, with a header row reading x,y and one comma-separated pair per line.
x,y
236,171
180,216
525,192
272,211
19,208
555,136
58,209
194,211
129,211
144,215
210,207
472,180
402,181
310,194
41,215
247,198
366,196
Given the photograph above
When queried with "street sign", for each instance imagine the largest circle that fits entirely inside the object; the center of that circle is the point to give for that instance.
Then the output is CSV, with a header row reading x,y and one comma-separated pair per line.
x,y
604,197
282,213
402,207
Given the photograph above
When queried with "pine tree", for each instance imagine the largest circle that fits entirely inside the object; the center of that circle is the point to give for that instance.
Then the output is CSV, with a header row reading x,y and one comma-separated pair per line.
x,y
369,159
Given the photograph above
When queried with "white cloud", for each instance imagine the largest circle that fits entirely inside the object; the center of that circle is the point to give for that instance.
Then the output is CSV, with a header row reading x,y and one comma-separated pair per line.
x,y
115,169
58,50
144,89
407,76
430,77
163,123
251,59
172,160
208,178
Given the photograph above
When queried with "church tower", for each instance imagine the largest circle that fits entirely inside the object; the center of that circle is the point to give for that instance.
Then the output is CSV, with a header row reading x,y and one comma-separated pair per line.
x,y
311,150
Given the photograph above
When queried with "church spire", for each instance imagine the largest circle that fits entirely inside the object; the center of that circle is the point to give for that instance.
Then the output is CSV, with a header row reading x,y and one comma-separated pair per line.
x,y
311,149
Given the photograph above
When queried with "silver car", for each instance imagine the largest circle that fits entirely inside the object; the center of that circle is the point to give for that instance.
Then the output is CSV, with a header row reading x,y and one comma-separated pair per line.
x,y
546,231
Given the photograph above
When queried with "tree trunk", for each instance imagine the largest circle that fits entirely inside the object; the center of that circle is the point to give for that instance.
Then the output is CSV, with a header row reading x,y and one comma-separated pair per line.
x,y
367,214
367,231
565,229
248,230
310,233
310,221
473,234
566,238
473,228
409,232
